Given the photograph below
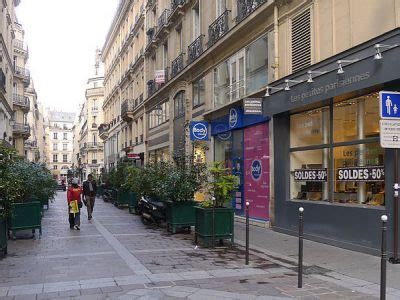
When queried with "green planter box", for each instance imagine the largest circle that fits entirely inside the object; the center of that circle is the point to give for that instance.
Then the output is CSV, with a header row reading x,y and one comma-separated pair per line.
x,y
3,234
132,202
25,216
224,225
180,214
45,202
100,191
122,198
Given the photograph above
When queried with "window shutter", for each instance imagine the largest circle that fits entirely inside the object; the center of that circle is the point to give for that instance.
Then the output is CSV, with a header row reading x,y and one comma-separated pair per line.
x,y
301,41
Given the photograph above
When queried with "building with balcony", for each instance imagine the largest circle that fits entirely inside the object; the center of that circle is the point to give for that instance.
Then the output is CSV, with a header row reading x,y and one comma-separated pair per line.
x,y
34,146
124,83
21,103
320,66
90,157
7,38
59,142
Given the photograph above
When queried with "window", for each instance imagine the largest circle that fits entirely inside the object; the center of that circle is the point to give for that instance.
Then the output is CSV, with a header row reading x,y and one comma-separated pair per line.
x,y
179,104
180,39
55,167
159,115
65,158
196,20
65,135
301,40
55,135
199,92
352,156
65,147
55,147
55,159
221,7
244,73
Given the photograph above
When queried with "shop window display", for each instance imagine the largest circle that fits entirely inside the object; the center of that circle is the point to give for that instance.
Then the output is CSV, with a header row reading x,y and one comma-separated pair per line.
x,y
352,156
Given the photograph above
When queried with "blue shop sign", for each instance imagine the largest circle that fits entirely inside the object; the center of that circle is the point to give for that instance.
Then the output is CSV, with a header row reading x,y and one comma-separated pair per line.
x,y
198,130
235,120
389,105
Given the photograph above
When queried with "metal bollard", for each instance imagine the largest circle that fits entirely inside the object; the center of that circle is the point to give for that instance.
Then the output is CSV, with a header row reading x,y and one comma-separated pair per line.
x,y
247,232
300,264
384,219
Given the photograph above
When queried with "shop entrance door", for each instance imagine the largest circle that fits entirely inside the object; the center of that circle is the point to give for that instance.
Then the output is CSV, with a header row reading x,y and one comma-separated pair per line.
x,y
257,170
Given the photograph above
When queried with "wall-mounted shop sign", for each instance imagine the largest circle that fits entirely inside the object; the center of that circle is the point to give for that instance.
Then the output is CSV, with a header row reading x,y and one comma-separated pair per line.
x,y
361,174
159,76
308,175
133,156
256,169
235,118
198,131
252,106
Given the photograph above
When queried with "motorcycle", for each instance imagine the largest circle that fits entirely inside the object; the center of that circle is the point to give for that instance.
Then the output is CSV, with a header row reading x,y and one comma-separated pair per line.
x,y
151,211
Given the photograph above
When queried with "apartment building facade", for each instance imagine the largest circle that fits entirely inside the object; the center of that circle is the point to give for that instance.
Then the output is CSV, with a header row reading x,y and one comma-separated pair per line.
x,y
7,36
89,158
21,104
34,146
201,61
123,56
59,142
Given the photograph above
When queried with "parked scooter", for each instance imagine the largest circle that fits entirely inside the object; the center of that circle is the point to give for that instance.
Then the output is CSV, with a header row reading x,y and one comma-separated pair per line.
x,y
151,211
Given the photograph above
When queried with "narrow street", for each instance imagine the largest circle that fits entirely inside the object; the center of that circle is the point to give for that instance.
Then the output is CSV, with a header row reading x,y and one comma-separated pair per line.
x,y
116,257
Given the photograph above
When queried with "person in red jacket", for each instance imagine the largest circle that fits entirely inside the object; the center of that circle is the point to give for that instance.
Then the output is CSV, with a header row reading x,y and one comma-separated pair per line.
x,y
74,198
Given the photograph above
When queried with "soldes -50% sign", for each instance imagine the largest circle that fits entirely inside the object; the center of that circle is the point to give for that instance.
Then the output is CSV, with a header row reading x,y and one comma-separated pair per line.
x,y
317,175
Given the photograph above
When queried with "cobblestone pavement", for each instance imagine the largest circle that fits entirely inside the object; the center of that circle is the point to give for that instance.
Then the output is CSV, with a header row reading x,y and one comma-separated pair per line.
x,y
116,257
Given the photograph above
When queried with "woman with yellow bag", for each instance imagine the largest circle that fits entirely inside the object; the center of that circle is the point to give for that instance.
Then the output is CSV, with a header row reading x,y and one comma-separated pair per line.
x,y
74,198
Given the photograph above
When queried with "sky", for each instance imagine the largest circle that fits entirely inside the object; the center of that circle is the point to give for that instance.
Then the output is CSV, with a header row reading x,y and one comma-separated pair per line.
x,y
62,37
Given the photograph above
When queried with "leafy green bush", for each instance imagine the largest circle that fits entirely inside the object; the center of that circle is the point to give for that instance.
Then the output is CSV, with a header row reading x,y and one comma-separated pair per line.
x,y
22,181
221,185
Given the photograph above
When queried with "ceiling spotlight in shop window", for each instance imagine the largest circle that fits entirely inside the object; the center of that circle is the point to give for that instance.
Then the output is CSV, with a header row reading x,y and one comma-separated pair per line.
x,y
344,61
309,74
287,87
271,88
378,53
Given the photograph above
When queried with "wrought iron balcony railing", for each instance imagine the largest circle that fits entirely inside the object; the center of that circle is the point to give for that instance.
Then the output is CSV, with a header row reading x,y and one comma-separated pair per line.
x,y
177,65
2,80
103,128
151,87
19,45
218,28
21,100
195,49
21,71
127,106
21,128
163,19
246,7
176,3
94,145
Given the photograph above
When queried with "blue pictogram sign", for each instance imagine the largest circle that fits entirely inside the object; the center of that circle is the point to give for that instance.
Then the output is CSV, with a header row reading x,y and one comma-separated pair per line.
x,y
389,105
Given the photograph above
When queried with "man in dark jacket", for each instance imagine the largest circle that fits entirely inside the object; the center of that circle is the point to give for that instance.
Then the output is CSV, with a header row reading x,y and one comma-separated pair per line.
x,y
89,192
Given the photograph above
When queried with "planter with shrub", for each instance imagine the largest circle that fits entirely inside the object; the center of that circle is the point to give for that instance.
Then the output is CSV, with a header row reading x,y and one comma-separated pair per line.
x,y
214,220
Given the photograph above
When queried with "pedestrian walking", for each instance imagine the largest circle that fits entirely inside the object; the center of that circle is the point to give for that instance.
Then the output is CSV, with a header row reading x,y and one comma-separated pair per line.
x,y
89,192
74,198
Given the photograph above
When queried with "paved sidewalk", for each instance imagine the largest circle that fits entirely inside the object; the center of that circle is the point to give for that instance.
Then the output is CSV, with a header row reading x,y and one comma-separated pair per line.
x,y
348,264
116,257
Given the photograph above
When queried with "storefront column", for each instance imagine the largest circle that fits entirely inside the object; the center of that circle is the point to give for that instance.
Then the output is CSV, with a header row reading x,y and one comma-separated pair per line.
x,y
361,191
325,158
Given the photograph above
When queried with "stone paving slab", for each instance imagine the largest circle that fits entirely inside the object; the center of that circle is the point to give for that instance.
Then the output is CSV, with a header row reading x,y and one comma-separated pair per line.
x,y
116,257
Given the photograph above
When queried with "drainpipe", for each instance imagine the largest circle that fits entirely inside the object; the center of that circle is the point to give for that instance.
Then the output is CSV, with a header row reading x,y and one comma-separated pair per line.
x,y
276,43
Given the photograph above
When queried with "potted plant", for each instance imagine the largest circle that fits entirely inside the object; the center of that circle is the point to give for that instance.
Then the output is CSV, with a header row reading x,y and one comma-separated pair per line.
x,y
22,185
214,219
183,180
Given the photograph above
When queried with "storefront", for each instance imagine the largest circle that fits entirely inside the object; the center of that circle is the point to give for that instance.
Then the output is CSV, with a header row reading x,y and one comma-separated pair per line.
x,y
327,154
242,143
